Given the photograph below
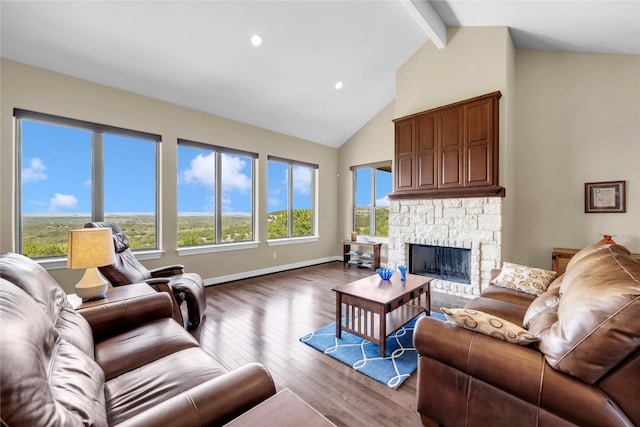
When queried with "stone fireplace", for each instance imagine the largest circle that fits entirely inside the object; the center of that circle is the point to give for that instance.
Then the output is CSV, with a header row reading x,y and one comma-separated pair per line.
x,y
468,223
443,262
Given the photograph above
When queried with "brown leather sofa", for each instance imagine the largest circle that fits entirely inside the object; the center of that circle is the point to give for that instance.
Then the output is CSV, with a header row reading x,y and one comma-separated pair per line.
x,y
584,370
125,363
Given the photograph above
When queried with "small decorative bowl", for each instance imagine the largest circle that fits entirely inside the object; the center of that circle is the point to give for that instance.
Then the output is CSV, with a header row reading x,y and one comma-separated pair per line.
x,y
385,273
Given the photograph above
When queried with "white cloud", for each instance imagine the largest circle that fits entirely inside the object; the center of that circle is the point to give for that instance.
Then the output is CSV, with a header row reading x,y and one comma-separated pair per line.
x,y
232,176
202,171
383,201
87,183
301,179
35,171
62,201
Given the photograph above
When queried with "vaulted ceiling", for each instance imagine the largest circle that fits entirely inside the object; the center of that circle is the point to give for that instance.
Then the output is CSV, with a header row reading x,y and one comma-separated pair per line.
x,y
198,54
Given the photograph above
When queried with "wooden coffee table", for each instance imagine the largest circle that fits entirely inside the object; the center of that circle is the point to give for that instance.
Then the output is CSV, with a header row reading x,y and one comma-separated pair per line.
x,y
375,308
282,409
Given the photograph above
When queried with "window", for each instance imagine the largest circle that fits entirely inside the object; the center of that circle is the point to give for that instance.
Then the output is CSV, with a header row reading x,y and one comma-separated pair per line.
x,y
72,172
291,189
215,194
371,185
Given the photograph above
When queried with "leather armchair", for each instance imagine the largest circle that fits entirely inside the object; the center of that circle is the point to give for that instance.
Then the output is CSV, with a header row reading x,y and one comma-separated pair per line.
x,y
183,287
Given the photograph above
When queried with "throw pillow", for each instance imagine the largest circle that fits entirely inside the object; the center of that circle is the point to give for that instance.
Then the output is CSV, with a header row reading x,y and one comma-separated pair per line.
x,y
531,280
489,324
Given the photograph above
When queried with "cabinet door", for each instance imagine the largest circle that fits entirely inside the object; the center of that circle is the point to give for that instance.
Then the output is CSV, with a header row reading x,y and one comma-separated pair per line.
x,y
451,148
404,156
479,142
426,152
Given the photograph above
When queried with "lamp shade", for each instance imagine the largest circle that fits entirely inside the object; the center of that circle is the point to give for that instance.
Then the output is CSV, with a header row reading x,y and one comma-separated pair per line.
x,y
90,247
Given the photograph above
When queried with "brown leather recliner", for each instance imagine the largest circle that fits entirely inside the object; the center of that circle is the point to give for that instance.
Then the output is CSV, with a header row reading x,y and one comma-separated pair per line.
x,y
584,370
185,287
119,363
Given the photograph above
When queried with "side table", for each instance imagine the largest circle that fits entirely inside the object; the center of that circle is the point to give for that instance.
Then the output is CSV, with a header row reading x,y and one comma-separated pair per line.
x,y
282,409
118,293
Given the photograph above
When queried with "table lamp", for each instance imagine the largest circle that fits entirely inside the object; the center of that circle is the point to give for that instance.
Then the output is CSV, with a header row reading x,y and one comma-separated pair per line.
x,y
90,248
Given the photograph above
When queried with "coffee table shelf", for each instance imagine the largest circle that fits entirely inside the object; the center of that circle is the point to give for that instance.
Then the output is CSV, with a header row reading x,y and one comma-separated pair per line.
x,y
367,324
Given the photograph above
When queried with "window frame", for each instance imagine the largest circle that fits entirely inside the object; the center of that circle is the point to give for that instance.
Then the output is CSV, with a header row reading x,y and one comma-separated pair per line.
x,y
97,175
372,208
219,245
275,241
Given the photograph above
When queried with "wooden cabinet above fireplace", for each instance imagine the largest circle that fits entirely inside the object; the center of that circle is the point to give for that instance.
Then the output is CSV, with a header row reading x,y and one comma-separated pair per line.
x,y
449,151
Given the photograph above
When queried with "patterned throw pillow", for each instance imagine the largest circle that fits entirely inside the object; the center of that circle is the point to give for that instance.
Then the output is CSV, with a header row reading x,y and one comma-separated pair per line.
x,y
489,324
531,280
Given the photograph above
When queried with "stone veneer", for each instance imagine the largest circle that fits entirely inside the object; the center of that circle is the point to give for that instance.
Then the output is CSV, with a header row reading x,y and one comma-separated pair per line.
x,y
471,223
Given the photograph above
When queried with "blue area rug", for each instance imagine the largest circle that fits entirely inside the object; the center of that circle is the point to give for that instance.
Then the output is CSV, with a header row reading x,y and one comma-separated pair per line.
x,y
400,360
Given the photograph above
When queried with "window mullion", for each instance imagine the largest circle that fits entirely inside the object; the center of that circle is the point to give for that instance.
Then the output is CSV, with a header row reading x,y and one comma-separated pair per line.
x,y
372,209
217,211
18,187
290,199
97,176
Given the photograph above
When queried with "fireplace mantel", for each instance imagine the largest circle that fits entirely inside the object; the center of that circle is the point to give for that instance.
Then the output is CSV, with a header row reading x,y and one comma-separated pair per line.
x,y
451,193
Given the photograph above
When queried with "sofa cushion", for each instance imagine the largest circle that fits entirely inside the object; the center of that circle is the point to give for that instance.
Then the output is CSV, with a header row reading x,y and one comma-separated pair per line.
x,y
493,326
588,250
522,278
32,278
153,384
587,259
542,311
510,311
141,345
508,295
597,323
44,377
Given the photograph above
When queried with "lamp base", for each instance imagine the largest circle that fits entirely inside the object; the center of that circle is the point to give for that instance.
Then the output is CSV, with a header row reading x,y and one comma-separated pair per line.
x,y
92,285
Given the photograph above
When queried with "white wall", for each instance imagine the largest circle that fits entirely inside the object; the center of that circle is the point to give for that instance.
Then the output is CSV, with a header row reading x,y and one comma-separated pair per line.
x,y
372,143
43,91
577,121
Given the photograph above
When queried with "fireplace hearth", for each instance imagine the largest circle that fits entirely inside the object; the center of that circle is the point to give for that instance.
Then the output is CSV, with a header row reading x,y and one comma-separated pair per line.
x,y
441,262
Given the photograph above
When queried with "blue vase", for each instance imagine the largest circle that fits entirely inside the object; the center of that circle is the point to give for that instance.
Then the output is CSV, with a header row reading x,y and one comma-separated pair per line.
x,y
403,272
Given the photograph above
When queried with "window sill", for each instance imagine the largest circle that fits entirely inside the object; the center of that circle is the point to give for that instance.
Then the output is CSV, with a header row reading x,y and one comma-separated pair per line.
x,y
197,250
59,263
292,241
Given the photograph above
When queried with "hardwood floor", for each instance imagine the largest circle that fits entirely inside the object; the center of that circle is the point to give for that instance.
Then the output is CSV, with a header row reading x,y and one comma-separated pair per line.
x,y
261,319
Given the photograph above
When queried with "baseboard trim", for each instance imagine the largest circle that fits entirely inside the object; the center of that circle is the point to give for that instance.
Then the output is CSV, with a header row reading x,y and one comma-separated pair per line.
x,y
263,271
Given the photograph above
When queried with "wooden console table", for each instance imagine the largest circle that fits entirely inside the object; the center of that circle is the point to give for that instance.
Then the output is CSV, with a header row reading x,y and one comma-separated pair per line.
x,y
351,257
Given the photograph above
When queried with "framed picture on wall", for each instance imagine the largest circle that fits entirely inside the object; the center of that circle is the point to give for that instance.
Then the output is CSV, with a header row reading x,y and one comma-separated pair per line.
x,y
606,197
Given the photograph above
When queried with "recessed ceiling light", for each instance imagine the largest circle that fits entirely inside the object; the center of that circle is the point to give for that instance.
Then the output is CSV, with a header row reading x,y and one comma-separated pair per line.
x,y
256,40
339,85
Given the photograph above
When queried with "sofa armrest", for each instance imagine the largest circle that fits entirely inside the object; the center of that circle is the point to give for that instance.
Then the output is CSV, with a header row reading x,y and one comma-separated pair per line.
x,y
161,284
214,402
517,370
166,271
111,318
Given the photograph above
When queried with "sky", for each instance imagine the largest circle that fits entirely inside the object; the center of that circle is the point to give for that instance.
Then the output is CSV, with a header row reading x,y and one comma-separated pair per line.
x,y
363,187
56,171
56,175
